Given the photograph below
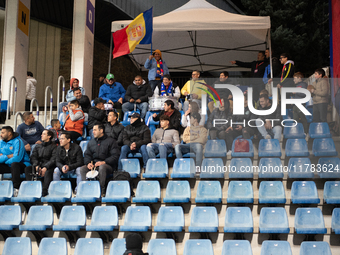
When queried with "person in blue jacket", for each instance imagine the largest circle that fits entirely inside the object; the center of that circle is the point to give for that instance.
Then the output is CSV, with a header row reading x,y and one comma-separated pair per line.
x,y
157,68
113,92
13,157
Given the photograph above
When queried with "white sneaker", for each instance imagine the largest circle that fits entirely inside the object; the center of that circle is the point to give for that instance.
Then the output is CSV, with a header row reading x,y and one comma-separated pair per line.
x,y
268,137
15,192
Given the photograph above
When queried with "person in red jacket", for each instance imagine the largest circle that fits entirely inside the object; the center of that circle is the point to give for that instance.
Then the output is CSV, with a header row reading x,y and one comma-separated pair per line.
x,y
74,121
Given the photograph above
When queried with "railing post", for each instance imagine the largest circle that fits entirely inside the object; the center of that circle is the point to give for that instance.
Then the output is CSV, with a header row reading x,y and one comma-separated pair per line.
x,y
16,121
34,100
48,88
10,95
60,78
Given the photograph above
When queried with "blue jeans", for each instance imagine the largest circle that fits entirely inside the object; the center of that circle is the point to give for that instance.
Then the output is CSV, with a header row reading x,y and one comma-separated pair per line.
x,y
57,174
275,132
162,148
125,150
196,148
143,107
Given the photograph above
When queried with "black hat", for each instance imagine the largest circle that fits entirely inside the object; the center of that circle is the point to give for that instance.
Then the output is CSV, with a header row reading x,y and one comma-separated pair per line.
x,y
134,241
99,100
134,115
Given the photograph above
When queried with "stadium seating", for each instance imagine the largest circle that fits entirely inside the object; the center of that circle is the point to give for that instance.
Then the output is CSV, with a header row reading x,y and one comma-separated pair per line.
x,y
276,247
89,246
118,246
72,218
117,192
240,192
204,219
304,192
209,192
87,192
296,148
241,247
269,148
170,219
29,192
6,191
10,217
273,220
241,168
336,221
104,218
177,192
324,147
215,149
53,246
17,246
331,192
309,221
137,219
294,132
83,146
183,168
272,192
58,192
300,168
319,130
249,154
212,168
330,167
147,192
131,166
315,248
39,218
198,247
270,168
238,220
156,168
162,246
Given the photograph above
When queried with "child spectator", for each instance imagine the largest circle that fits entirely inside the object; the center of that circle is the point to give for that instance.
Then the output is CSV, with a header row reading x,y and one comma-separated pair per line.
x,y
74,121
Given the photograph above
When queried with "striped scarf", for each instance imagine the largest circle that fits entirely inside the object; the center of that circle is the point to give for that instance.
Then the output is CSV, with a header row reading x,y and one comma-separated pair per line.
x,y
160,71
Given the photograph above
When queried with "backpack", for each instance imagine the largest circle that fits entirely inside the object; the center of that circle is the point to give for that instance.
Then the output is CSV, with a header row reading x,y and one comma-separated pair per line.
x,y
241,145
123,176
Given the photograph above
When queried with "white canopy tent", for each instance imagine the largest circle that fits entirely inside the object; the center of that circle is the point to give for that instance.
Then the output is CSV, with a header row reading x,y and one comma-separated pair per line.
x,y
201,36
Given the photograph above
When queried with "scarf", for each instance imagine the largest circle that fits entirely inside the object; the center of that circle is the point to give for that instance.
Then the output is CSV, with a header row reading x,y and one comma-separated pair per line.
x,y
160,71
165,92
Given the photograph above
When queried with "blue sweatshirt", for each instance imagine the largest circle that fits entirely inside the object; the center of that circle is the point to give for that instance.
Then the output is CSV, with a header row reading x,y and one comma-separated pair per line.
x,y
31,134
16,147
113,92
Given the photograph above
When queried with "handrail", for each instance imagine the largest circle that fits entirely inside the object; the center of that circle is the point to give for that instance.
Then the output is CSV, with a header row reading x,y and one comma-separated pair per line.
x,y
60,78
34,100
48,88
10,95
16,121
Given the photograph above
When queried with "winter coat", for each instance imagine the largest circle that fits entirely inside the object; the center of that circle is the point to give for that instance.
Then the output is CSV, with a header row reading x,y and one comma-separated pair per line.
x,y
31,84
287,74
152,66
85,103
115,131
73,122
300,85
217,114
169,135
69,95
275,115
321,92
73,159
96,116
195,134
137,132
44,155
142,92
16,147
175,91
32,133
175,118
112,92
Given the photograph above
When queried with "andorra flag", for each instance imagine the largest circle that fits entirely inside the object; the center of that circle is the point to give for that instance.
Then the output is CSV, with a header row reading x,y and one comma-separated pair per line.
x,y
138,32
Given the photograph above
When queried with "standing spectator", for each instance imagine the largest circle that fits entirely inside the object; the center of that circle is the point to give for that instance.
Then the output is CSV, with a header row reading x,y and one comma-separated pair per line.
x,y
113,128
97,114
287,72
157,68
277,67
163,140
193,108
137,94
320,94
135,138
74,83
83,100
195,137
69,158
74,121
297,114
13,157
192,90
169,110
31,84
225,93
30,130
43,160
102,152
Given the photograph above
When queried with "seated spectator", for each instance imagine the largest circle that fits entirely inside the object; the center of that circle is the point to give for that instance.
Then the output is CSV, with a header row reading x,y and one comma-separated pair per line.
x,y
263,123
193,108
195,137
225,93
13,157
56,129
167,88
102,153
83,100
169,110
97,114
135,138
113,92
320,95
163,140
137,94
297,114
30,130
74,121
74,83
262,92
192,90
113,128
43,160
69,158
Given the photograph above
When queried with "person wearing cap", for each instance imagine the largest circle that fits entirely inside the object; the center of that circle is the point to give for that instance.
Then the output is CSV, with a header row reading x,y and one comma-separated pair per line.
x,y
113,92
74,83
157,68
135,138
97,114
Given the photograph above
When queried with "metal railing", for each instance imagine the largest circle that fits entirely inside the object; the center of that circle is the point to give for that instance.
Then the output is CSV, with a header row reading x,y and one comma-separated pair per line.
x,y
61,78
16,119
10,96
48,88
34,100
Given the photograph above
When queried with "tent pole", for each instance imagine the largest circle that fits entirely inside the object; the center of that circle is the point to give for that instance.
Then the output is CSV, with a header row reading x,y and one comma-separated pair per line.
x,y
270,59
110,55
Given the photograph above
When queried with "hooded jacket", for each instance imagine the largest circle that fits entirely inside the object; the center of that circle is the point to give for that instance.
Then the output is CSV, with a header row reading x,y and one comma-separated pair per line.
x,y
134,244
137,132
195,134
44,155
115,131
73,159
287,74
16,147
169,135
112,92
31,84
142,92
69,96
321,92
96,116
152,66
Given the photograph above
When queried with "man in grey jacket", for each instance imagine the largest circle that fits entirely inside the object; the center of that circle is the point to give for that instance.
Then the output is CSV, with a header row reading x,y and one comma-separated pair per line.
x,y
320,94
163,140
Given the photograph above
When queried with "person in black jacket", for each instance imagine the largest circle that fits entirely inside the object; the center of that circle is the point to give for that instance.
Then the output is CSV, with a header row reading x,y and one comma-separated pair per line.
x,y
102,153
69,158
134,244
137,93
97,114
174,114
135,138
113,128
43,160
83,100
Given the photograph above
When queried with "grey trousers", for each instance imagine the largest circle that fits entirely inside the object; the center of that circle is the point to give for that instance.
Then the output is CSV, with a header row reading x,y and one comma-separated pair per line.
x,y
103,170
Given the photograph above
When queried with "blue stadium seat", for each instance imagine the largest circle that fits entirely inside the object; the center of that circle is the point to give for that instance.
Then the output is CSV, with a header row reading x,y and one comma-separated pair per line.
x,y
269,148
304,192
162,246
209,192
183,168
215,149
309,221
118,246
273,220
296,148
270,168
177,192
150,122
294,132
117,192
126,118
324,147
10,217
39,218
331,192
156,168
315,248
3,105
89,246
204,219
300,168
249,154
29,192
17,246
137,218
147,192
52,246
132,166
198,247
241,247
241,168
276,247
336,221
58,192
319,130
272,192
240,192
330,167
104,218
6,191
83,146
72,218
170,219
212,168
238,220
87,192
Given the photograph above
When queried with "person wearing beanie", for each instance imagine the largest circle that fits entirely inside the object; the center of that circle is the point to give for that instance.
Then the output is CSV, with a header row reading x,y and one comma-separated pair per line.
x,y
157,68
74,83
134,244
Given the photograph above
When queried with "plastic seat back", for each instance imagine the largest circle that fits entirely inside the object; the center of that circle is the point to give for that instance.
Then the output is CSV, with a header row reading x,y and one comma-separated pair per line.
x,y
241,168
131,166
331,192
241,247
147,192
156,168
183,168
209,192
104,218
177,192
238,220
215,149
336,220
58,192
29,191
324,147
272,192
273,220
291,132
304,192
269,148
319,130
212,168
330,167
118,192
309,221
276,247
17,246
137,218
89,246
248,154
270,168
87,191
10,217
204,219
118,246
83,146
72,218
315,248
296,148
170,219
6,190
38,218
162,246
240,192
198,247
52,246
300,168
